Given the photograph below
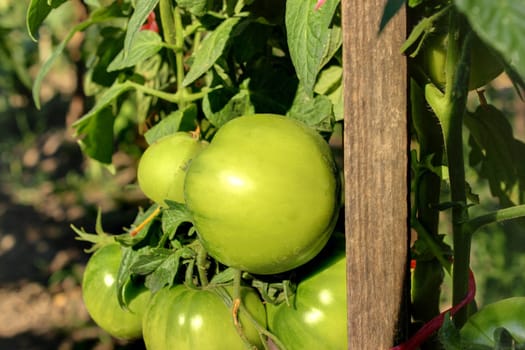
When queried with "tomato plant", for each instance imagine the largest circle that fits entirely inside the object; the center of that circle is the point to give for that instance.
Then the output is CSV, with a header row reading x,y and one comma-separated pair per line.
x,y
485,66
314,317
186,318
99,291
162,167
262,83
506,314
280,182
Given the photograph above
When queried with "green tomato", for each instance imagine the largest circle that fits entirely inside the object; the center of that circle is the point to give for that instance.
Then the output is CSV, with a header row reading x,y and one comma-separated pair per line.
x,y
264,195
187,319
162,167
316,317
484,65
99,293
507,313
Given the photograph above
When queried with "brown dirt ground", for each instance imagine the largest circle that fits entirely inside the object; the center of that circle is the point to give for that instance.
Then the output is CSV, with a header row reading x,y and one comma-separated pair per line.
x,y
41,263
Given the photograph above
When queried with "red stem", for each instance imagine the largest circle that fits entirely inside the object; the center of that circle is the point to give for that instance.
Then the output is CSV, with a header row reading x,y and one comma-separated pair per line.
x,y
434,324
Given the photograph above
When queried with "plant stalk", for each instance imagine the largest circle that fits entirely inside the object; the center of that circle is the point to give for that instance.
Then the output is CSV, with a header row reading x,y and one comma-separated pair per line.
x,y
457,75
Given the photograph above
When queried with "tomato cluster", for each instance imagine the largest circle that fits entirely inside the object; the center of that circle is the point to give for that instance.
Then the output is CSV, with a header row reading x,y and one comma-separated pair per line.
x,y
262,200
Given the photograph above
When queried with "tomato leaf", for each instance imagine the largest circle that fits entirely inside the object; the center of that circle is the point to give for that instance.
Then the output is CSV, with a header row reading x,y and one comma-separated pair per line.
x,y
503,339
87,126
37,12
212,47
139,16
173,217
315,111
391,8
500,25
234,105
500,155
224,276
449,335
97,16
96,136
165,273
179,120
124,273
196,7
145,44
482,327
309,35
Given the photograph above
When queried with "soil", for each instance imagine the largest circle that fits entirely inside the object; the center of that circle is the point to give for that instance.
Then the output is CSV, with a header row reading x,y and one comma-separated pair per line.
x,y
41,263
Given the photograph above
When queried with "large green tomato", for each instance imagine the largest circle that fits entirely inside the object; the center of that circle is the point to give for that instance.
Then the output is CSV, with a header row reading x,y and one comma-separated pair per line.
x,y
484,65
316,317
507,313
264,195
187,319
100,295
162,167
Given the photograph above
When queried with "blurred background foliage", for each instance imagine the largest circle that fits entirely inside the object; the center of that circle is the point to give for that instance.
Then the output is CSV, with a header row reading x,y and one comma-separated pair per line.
x,y
46,184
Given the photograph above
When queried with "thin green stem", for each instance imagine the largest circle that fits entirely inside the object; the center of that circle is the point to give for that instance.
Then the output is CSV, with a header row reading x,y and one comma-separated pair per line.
x,y
202,257
179,53
500,215
178,97
167,21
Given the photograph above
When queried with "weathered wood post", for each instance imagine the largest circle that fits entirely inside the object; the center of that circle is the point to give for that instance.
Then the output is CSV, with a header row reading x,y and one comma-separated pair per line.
x,y
376,185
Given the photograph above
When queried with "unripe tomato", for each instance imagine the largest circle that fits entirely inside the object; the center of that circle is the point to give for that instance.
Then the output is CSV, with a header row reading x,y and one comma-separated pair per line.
x,y
99,293
484,65
316,317
264,195
163,165
188,319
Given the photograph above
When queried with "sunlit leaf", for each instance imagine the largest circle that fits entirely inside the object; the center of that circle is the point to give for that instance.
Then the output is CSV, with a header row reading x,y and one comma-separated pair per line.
x,y
501,25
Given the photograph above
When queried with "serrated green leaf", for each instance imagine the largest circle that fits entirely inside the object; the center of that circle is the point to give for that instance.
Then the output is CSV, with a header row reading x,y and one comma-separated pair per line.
x,y
179,120
308,33
142,9
124,273
335,41
223,276
210,50
391,8
97,16
104,101
449,335
329,79
498,151
96,136
173,217
149,260
145,44
336,97
501,25
165,273
37,12
196,7
315,112
235,106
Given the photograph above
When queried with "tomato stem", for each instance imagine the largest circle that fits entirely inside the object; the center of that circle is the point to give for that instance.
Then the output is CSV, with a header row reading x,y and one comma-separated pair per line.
x,y
433,325
202,256
236,297
143,224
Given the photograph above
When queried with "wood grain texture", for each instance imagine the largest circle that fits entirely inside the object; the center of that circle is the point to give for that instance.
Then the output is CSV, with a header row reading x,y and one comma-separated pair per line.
x,y
376,160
